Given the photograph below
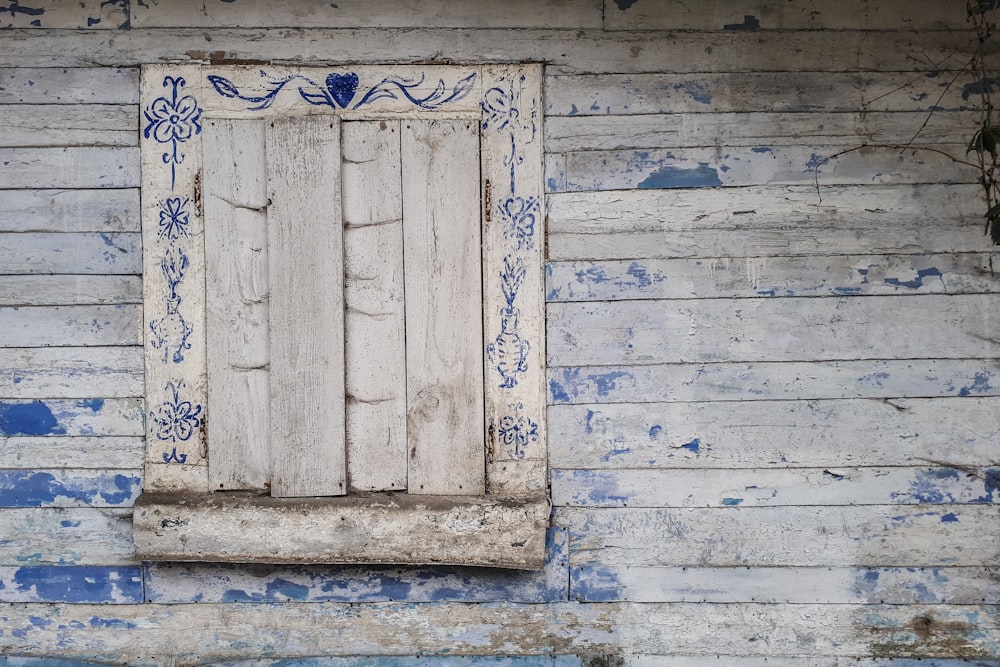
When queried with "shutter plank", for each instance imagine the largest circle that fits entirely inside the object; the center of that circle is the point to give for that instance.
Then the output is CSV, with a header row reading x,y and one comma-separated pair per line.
x,y
444,339
236,303
306,307
375,352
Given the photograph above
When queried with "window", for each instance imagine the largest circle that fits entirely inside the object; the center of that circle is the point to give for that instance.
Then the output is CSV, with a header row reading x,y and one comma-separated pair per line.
x,y
344,341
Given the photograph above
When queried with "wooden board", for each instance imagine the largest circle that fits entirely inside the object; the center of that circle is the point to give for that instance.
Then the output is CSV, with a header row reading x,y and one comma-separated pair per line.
x,y
66,536
729,277
878,536
43,326
917,378
732,434
68,487
76,167
77,85
71,372
375,349
100,452
60,417
306,308
69,211
443,284
64,125
67,14
88,253
86,584
237,289
33,290
787,329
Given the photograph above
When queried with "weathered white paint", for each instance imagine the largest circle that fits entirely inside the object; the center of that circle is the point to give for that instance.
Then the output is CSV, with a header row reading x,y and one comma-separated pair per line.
x,y
875,535
71,372
43,326
797,433
789,329
76,167
62,417
375,349
97,451
30,290
67,14
39,82
68,536
93,253
69,211
63,125
305,299
838,275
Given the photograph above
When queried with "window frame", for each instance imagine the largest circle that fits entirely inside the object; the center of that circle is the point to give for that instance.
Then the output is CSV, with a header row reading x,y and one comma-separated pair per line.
x,y
178,517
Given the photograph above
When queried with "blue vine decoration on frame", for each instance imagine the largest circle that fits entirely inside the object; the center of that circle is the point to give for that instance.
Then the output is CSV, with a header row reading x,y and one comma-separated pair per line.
x,y
517,432
339,90
502,107
509,352
176,419
174,457
173,120
171,332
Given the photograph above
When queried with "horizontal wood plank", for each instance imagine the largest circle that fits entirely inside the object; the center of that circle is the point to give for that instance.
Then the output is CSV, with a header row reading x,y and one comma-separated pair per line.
x,y
69,210
64,125
383,13
87,253
922,378
71,372
67,14
777,585
77,167
68,290
93,452
738,434
90,417
739,91
877,536
793,15
81,84
761,165
65,536
788,329
774,487
69,488
66,326
215,632
81,584
564,51
726,277
173,583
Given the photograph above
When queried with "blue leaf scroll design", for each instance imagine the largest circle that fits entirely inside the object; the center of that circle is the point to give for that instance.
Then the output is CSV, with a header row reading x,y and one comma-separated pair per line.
x,y
516,432
173,119
174,457
171,332
339,90
509,352
502,108
519,216
176,419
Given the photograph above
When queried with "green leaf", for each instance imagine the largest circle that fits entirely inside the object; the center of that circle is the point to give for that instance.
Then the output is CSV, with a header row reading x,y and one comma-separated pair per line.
x,y
976,144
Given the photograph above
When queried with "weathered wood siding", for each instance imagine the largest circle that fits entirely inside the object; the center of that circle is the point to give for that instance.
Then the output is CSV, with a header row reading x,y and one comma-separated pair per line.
x,y
773,376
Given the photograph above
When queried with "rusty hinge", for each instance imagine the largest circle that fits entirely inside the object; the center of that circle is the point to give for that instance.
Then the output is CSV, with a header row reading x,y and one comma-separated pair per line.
x,y
488,201
197,195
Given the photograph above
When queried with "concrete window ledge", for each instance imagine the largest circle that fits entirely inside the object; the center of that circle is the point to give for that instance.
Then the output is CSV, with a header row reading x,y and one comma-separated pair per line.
x,y
384,528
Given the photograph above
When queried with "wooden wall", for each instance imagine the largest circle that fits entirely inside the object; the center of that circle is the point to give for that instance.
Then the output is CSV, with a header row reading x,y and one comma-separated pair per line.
x,y
773,381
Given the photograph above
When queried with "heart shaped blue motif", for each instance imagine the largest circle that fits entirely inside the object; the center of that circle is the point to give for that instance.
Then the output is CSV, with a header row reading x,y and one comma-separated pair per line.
x,y
342,87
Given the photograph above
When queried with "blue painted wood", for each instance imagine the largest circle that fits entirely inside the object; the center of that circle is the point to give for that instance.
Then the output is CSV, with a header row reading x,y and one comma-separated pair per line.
x,y
184,583
74,584
68,417
69,488
407,661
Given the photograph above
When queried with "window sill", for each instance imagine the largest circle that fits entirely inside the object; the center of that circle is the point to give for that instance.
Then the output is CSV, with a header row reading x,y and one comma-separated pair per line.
x,y
395,529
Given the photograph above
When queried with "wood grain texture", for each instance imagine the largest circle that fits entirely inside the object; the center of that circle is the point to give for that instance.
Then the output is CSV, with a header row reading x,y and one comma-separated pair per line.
x,y
60,417
66,536
44,83
876,535
67,326
726,277
67,487
443,283
86,584
71,372
789,329
63,125
237,290
383,13
101,452
306,308
67,14
741,434
69,210
564,51
69,290
375,348
88,253
76,167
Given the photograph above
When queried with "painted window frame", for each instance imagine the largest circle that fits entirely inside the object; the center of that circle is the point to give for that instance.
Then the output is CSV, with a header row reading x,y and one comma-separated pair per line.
x,y
178,517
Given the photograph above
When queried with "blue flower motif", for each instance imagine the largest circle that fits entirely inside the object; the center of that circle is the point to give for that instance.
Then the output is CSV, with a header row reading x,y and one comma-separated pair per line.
x,y
176,419
173,120
517,432
174,219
